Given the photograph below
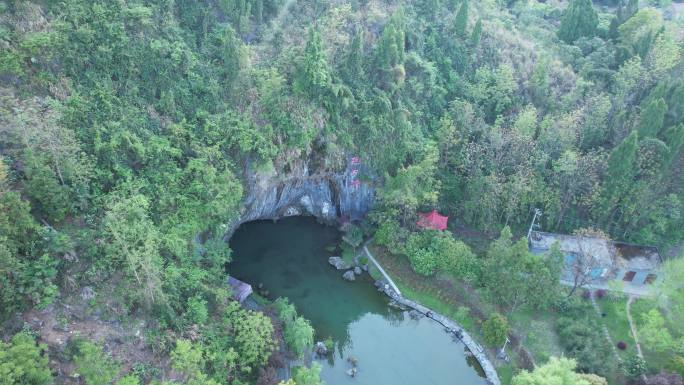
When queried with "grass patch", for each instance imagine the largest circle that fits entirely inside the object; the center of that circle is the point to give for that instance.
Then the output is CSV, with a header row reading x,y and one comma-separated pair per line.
x,y
618,326
506,373
538,331
459,314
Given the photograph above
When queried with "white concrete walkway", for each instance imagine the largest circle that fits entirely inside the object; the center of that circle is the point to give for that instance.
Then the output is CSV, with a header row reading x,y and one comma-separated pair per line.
x,y
382,271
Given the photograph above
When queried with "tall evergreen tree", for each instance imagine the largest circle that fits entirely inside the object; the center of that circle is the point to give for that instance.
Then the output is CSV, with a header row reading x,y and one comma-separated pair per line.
x,y
620,174
477,33
461,23
674,138
315,73
353,65
651,119
579,20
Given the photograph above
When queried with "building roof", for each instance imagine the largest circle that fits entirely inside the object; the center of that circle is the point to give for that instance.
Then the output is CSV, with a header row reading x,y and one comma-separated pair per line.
x,y
432,220
241,290
608,253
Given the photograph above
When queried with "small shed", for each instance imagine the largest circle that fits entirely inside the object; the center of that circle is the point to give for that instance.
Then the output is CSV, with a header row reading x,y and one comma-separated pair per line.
x,y
432,220
241,290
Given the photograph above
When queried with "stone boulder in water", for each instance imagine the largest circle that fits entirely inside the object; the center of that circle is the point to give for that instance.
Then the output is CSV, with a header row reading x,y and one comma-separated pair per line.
x,y
338,263
321,349
357,270
349,275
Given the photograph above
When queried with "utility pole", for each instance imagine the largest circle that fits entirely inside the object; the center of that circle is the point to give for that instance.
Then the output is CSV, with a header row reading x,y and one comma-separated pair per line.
x,y
537,212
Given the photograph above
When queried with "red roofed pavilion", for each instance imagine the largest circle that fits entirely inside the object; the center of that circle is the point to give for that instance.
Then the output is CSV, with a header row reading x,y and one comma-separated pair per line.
x,y
432,220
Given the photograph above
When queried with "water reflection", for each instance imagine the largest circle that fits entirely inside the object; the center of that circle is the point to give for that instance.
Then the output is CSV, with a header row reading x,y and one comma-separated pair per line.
x,y
391,348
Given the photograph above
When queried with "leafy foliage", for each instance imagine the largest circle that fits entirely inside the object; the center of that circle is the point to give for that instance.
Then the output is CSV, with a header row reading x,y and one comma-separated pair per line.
x,y
558,371
23,361
578,20
495,330
94,365
298,333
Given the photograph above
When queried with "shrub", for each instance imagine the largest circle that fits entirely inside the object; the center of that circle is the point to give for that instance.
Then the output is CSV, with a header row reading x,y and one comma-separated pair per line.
x,y
422,257
329,344
23,362
676,364
297,331
495,330
635,366
96,367
600,293
197,312
586,294
582,340
622,345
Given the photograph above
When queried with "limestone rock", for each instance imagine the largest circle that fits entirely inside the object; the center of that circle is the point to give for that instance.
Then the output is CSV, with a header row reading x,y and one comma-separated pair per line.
x,y
321,349
349,275
357,270
338,263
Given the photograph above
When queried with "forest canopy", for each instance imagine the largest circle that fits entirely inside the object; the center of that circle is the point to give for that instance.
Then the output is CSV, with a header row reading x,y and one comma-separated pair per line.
x,y
129,131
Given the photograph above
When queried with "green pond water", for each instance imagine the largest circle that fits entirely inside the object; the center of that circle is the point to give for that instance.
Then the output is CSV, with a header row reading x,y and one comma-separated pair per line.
x,y
290,259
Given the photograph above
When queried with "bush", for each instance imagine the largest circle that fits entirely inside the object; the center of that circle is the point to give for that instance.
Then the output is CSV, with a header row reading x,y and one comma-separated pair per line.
x,y
676,364
582,340
586,294
635,366
93,364
297,331
308,376
495,330
622,345
422,257
600,293
23,362
197,312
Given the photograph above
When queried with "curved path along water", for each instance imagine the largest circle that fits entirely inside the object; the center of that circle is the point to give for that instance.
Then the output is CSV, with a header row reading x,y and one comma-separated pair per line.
x,y
391,346
393,292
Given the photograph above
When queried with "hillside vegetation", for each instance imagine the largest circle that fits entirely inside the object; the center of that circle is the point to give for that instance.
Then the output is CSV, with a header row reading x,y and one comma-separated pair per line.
x,y
128,128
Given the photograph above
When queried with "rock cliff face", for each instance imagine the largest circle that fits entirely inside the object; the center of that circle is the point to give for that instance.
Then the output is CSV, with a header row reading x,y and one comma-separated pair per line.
x,y
326,196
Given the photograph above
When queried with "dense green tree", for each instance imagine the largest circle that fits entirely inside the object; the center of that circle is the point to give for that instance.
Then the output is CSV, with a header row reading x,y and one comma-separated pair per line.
x,y
635,367
495,330
582,340
308,376
94,365
315,73
390,52
412,186
620,174
579,20
653,333
651,119
461,22
252,333
297,331
476,35
353,71
24,362
559,371
514,276
134,242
